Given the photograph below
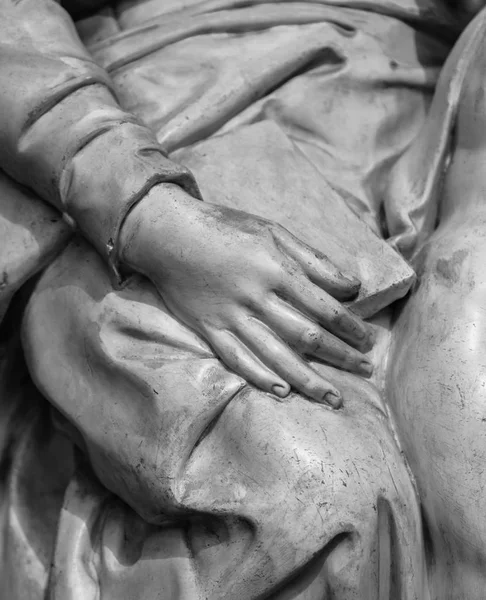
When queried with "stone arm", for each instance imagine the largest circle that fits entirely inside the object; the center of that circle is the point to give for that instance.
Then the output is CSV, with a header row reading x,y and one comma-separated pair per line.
x,y
63,135
60,121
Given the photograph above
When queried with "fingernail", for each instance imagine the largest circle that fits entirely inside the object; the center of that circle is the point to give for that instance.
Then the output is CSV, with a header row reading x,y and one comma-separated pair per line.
x,y
333,399
366,367
351,278
280,390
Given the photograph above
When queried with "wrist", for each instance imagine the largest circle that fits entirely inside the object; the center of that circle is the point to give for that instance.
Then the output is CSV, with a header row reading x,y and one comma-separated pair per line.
x,y
150,225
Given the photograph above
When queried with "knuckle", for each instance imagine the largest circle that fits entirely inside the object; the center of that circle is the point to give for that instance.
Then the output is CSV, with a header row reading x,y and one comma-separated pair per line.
x,y
348,359
338,317
305,379
344,322
309,338
275,272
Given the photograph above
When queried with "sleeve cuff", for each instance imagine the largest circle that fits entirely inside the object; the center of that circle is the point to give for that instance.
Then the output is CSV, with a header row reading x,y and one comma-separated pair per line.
x,y
112,172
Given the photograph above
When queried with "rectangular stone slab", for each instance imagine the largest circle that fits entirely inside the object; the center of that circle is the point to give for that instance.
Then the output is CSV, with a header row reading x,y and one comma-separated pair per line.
x,y
258,169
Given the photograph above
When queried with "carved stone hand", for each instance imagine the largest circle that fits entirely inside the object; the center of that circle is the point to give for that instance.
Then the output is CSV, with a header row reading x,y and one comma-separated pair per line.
x,y
259,296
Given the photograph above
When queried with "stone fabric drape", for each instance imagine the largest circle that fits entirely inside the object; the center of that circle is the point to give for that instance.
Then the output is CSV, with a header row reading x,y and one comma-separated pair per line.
x,y
173,478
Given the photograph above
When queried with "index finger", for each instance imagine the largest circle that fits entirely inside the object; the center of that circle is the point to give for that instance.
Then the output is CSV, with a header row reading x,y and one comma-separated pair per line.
x,y
319,268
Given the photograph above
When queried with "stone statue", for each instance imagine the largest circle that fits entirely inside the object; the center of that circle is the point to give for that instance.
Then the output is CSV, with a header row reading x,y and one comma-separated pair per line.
x,y
242,300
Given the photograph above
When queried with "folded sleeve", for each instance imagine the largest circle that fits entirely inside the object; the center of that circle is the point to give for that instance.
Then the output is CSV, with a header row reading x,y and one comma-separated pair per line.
x,y
63,133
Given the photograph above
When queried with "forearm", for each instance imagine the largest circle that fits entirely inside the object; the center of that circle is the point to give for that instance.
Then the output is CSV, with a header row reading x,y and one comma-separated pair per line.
x,y
42,62
62,132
